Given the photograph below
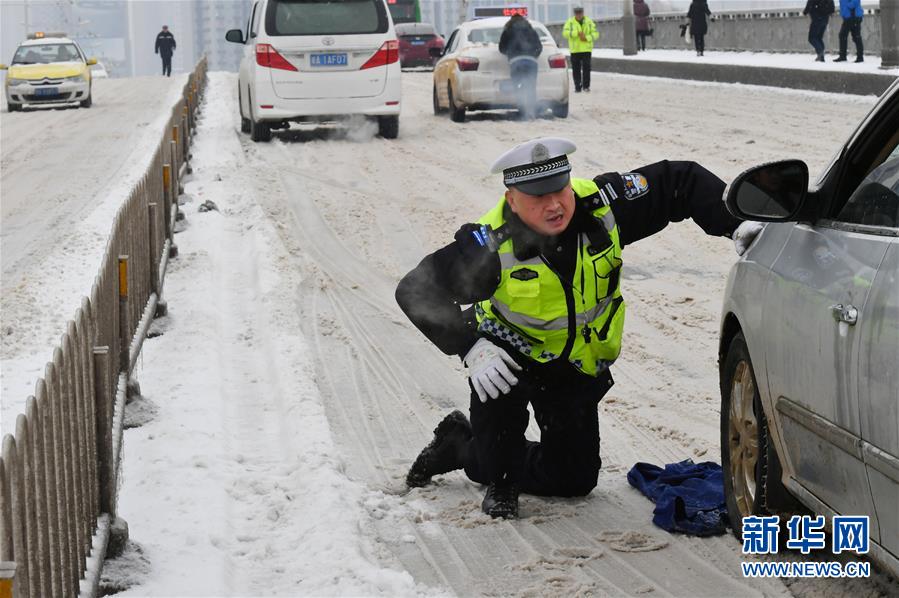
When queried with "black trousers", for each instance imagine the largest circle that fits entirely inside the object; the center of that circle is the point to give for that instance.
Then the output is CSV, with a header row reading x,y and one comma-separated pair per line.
x,y
699,40
580,69
854,26
566,461
641,40
524,76
166,65
816,31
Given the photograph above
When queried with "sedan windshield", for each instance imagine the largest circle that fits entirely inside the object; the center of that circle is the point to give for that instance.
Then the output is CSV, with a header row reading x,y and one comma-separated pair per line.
x,y
46,53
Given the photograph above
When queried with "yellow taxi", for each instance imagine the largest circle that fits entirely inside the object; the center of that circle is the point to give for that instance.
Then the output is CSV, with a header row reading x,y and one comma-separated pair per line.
x,y
48,69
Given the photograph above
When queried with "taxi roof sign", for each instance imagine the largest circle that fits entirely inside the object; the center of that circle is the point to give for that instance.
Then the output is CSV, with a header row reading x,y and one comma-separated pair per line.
x,y
41,34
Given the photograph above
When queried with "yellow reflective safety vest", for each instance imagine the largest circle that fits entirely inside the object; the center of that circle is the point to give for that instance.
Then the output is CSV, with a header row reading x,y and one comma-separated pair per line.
x,y
545,318
571,31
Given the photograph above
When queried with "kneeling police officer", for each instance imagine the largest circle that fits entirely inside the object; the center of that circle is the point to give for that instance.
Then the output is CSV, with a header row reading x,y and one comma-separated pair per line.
x,y
542,273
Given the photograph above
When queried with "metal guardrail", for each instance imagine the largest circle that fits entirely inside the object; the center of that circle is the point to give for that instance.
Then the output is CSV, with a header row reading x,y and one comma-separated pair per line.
x,y
60,472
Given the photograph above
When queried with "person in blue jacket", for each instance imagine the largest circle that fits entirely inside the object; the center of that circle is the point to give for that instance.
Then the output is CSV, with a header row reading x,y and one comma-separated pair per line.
x,y
851,11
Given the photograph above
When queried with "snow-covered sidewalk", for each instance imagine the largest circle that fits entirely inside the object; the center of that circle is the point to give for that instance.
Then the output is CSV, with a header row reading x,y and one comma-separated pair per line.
x,y
233,486
752,59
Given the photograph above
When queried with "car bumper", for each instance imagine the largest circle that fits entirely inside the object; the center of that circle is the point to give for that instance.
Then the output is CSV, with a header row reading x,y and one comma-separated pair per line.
x,y
387,103
68,91
477,89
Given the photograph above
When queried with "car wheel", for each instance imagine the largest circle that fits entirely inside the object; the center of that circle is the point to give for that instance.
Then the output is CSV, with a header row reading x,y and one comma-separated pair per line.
x,y
86,103
437,109
389,126
13,107
244,122
260,131
560,110
457,115
751,467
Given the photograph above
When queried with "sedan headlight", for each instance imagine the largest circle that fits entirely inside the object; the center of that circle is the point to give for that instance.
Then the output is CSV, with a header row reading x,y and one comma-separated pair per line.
x,y
16,81
76,79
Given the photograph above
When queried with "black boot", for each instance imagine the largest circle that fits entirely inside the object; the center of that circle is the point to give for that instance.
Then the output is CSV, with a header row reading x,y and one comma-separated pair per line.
x,y
444,453
860,59
840,59
501,500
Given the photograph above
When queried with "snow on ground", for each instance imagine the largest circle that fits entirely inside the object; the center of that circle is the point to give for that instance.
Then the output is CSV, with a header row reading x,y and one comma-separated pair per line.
x,y
235,486
291,395
753,59
63,175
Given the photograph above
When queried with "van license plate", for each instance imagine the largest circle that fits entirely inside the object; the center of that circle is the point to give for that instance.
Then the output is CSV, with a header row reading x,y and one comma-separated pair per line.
x,y
329,60
46,92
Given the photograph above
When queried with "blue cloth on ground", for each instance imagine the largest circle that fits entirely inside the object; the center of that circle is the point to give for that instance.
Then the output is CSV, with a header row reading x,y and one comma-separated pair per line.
x,y
689,496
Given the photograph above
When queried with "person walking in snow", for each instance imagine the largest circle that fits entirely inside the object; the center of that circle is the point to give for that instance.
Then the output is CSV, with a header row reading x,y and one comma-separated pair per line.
x,y
165,46
819,12
697,13
642,12
852,13
580,31
520,43
542,272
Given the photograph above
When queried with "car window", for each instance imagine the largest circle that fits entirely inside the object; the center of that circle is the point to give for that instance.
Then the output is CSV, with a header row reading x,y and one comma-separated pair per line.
x,y
453,42
326,17
492,35
876,201
46,53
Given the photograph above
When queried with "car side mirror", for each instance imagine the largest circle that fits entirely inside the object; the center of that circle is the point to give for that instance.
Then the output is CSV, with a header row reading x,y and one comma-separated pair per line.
x,y
91,61
772,192
235,36
435,52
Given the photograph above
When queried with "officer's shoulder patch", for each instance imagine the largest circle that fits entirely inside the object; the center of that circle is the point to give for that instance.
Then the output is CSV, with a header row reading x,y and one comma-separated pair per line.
x,y
635,185
524,274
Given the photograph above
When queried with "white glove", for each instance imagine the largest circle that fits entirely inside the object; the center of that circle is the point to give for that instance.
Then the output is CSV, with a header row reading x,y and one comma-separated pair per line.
x,y
488,368
746,234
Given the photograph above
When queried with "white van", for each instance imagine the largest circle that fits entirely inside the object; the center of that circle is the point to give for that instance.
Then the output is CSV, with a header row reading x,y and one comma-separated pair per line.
x,y
316,60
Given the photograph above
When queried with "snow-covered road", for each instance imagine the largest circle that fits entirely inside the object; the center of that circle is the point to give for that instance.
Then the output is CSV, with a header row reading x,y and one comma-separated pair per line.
x,y
288,394
63,175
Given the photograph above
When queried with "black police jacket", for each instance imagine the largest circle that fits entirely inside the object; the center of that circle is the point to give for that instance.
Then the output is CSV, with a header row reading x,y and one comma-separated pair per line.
x,y
463,272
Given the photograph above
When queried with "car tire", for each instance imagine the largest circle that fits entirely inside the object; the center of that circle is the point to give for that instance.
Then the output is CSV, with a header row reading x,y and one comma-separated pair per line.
x,y
437,109
560,110
749,461
13,107
457,115
86,103
260,131
389,126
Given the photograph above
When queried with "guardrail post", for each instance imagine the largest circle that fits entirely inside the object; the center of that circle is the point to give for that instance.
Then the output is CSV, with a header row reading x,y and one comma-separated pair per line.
x,y
154,250
105,404
889,34
167,198
124,336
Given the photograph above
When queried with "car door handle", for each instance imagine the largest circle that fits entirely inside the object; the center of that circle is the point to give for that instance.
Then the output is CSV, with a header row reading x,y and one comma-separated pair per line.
x,y
844,313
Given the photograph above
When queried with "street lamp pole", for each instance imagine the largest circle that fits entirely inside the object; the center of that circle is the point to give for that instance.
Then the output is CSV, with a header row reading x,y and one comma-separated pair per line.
x,y
629,28
889,33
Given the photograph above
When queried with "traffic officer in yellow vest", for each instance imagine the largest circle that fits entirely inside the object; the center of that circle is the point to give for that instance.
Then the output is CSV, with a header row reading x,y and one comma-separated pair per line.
x,y
580,31
541,271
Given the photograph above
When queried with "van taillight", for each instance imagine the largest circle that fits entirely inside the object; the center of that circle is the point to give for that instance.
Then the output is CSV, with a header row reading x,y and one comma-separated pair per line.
x,y
387,54
268,57
467,64
557,61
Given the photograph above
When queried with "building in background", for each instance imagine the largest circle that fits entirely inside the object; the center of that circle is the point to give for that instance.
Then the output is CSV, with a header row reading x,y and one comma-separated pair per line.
x,y
212,18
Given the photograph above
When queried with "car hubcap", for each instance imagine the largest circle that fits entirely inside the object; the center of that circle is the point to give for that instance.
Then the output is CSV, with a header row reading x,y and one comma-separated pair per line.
x,y
744,439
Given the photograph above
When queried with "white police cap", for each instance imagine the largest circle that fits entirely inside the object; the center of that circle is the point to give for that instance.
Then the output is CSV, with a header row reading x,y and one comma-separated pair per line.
x,y
538,166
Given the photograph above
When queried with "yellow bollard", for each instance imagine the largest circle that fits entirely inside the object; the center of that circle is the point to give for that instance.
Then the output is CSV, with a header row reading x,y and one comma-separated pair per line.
x,y
7,576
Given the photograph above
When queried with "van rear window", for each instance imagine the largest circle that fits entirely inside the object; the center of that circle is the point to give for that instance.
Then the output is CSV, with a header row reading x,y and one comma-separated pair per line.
x,y
325,17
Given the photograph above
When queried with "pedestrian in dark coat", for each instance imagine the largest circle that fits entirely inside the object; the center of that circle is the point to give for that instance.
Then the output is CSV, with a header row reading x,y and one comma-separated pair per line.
x,y
699,10
520,43
165,47
819,12
852,13
642,12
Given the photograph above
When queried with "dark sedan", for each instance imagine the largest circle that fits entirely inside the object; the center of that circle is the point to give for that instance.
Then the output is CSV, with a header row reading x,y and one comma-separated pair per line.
x,y
416,41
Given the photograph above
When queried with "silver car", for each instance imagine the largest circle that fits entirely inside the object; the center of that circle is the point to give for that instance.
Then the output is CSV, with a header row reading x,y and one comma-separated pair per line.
x,y
809,353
